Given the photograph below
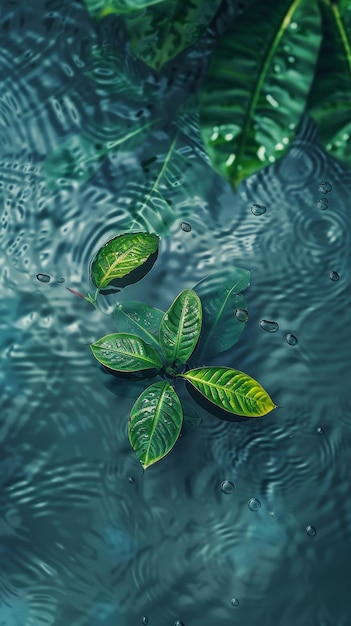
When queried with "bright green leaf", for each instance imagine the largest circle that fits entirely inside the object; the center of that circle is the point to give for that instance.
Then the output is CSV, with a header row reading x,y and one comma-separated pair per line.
x,y
180,327
124,352
138,318
155,423
163,30
220,297
257,85
121,255
101,8
231,390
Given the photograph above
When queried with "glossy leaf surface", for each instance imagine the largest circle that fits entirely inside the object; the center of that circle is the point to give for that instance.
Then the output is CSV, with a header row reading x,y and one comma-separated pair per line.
x,y
220,296
231,390
101,8
124,352
139,318
155,423
180,327
257,85
330,99
121,255
163,30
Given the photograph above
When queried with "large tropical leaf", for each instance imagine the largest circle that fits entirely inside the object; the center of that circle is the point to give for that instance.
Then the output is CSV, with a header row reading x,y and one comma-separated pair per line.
x,y
231,390
257,85
121,255
220,297
138,318
180,327
100,8
164,29
124,352
330,98
155,423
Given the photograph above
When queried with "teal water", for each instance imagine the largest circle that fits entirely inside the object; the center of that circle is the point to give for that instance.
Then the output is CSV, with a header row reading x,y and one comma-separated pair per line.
x,y
87,538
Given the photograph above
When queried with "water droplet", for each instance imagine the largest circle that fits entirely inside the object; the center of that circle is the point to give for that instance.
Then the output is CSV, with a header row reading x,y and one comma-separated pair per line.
x,y
325,187
227,486
254,504
178,623
145,620
323,204
43,278
241,314
131,479
311,531
320,430
60,280
234,602
334,276
258,209
269,327
186,227
291,339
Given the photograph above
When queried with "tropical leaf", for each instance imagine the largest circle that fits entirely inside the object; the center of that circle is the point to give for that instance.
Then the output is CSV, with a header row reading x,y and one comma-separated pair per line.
x,y
101,8
180,327
329,101
155,423
191,420
164,29
121,255
220,297
257,85
231,390
138,318
124,352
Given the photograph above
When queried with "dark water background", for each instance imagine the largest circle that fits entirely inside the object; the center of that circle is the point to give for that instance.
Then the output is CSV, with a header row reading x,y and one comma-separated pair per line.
x,y
80,543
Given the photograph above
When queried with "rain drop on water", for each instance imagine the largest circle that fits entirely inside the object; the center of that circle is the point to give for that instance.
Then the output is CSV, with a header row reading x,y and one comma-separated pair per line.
x,y
234,602
334,276
43,278
131,479
323,204
186,227
254,504
291,339
270,327
60,280
311,531
241,314
258,209
227,486
325,187
145,620
178,623
320,430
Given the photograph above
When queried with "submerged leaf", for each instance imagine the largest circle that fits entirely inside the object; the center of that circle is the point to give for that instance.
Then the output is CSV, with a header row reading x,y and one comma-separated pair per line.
x,y
231,390
180,327
257,85
155,423
121,255
191,420
124,352
139,318
101,8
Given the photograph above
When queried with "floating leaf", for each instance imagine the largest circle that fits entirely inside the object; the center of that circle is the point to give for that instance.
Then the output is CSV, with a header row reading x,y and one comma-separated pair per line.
x,y
231,390
163,30
191,420
124,352
101,8
121,255
180,327
155,423
257,85
329,101
219,293
139,318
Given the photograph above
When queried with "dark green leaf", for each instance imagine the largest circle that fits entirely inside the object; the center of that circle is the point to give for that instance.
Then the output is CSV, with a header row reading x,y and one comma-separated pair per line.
x,y
121,255
163,30
124,352
155,423
330,98
219,293
231,390
138,318
180,327
256,89
191,420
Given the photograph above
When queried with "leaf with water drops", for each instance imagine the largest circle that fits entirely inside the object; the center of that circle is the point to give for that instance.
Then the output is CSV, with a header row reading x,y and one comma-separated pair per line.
x,y
180,327
124,352
163,30
231,390
257,85
329,101
101,8
139,318
155,423
121,255
221,297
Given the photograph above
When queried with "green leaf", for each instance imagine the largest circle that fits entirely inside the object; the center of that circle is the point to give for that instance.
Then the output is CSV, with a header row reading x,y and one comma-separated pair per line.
x,y
138,318
219,293
180,327
231,390
257,85
155,423
121,255
101,8
191,420
163,30
124,352
330,99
